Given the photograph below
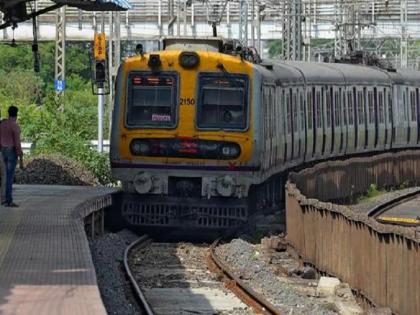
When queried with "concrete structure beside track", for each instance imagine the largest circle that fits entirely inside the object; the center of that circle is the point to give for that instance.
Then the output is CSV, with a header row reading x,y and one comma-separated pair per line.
x,y
380,261
45,261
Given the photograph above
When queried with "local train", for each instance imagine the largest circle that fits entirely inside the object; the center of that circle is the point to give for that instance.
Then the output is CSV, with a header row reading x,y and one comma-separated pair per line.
x,y
203,132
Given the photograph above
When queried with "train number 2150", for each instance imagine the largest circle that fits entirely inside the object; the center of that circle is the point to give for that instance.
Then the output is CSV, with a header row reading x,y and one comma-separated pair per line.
x,y
186,101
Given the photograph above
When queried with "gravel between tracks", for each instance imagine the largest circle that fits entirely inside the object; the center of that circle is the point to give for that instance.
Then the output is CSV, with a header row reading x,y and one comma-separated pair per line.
x,y
244,260
181,266
107,253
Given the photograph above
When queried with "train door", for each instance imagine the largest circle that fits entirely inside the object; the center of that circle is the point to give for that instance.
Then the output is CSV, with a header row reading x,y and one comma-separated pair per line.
x,y
302,123
319,143
351,130
398,116
360,120
344,114
310,129
337,121
371,123
288,124
272,129
328,122
279,121
390,119
295,123
381,120
412,111
418,114
265,129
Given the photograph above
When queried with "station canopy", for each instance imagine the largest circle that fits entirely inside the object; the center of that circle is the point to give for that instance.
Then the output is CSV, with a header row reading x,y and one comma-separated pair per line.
x,y
97,5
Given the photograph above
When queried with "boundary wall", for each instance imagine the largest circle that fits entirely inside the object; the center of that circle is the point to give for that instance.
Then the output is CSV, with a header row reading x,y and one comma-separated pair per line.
x,y
381,262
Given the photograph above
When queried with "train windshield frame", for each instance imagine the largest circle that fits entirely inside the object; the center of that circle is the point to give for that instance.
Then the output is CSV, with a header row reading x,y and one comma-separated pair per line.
x,y
152,100
222,101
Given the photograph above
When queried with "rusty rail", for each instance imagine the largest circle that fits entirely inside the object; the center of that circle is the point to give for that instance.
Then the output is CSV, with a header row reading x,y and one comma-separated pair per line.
x,y
142,241
238,287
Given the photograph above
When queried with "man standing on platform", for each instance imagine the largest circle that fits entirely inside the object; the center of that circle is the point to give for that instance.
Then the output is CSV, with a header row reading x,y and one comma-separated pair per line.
x,y
11,150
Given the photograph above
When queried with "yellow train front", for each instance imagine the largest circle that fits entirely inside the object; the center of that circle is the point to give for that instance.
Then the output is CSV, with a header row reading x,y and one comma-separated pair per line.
x,y
182,137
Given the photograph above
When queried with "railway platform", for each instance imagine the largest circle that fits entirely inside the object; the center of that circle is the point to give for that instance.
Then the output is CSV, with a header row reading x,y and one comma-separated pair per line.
x,y
400,207
45,261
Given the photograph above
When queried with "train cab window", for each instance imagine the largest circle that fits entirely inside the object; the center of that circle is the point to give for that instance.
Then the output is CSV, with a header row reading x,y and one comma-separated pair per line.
x,y
381,108
371,109
350,105
360,108
222,101
413,106
309,105
151,100
337,111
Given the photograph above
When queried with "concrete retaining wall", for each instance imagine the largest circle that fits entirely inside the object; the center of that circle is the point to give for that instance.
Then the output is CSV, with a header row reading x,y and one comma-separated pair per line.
x,y
381,261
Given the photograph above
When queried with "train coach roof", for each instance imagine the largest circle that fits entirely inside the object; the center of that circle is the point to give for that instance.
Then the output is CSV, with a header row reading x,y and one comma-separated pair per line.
x,y
406,76
336,72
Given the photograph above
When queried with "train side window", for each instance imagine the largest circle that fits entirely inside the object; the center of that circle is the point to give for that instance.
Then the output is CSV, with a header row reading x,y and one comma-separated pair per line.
x,y
288,113
344,106
318,109
309,105
337,112
295,112
390,113
413,106
381,107
329,109
371,108
405,103
360,108
302,111
350,107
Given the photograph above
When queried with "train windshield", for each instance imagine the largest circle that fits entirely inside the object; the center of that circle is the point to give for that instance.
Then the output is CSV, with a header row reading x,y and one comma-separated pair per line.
x,y
222,101
151,100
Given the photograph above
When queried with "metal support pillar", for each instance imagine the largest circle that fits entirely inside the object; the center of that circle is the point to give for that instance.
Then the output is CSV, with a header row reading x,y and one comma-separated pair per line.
x,y
306,52
160,17
60,48
101,102
172,17
228,24
243,22
404,37
253,22
292,30
193,28
259,43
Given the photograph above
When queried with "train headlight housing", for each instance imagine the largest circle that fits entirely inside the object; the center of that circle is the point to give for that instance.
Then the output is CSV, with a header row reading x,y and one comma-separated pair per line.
x,y
139,147
154,61
143,183
189,59
231,150
225,186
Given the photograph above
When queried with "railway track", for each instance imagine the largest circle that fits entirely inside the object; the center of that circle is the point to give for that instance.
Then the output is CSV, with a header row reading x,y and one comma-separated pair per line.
x,y
401,210
173,278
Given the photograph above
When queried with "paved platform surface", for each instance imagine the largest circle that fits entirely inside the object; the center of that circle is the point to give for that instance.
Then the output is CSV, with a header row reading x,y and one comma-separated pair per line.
x,y
405,212
45,261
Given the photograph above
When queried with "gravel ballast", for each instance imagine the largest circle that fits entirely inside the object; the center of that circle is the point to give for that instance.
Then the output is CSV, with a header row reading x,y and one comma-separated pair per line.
x,y
107,254
245,261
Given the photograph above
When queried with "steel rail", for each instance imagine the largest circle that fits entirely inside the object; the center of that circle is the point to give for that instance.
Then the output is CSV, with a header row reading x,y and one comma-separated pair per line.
x,y
142,241
237,286
381,208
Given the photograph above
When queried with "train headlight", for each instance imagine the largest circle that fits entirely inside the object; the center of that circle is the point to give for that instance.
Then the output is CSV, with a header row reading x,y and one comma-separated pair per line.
x,y
231,150
189,59
143,183
154,61
139,147
225,186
